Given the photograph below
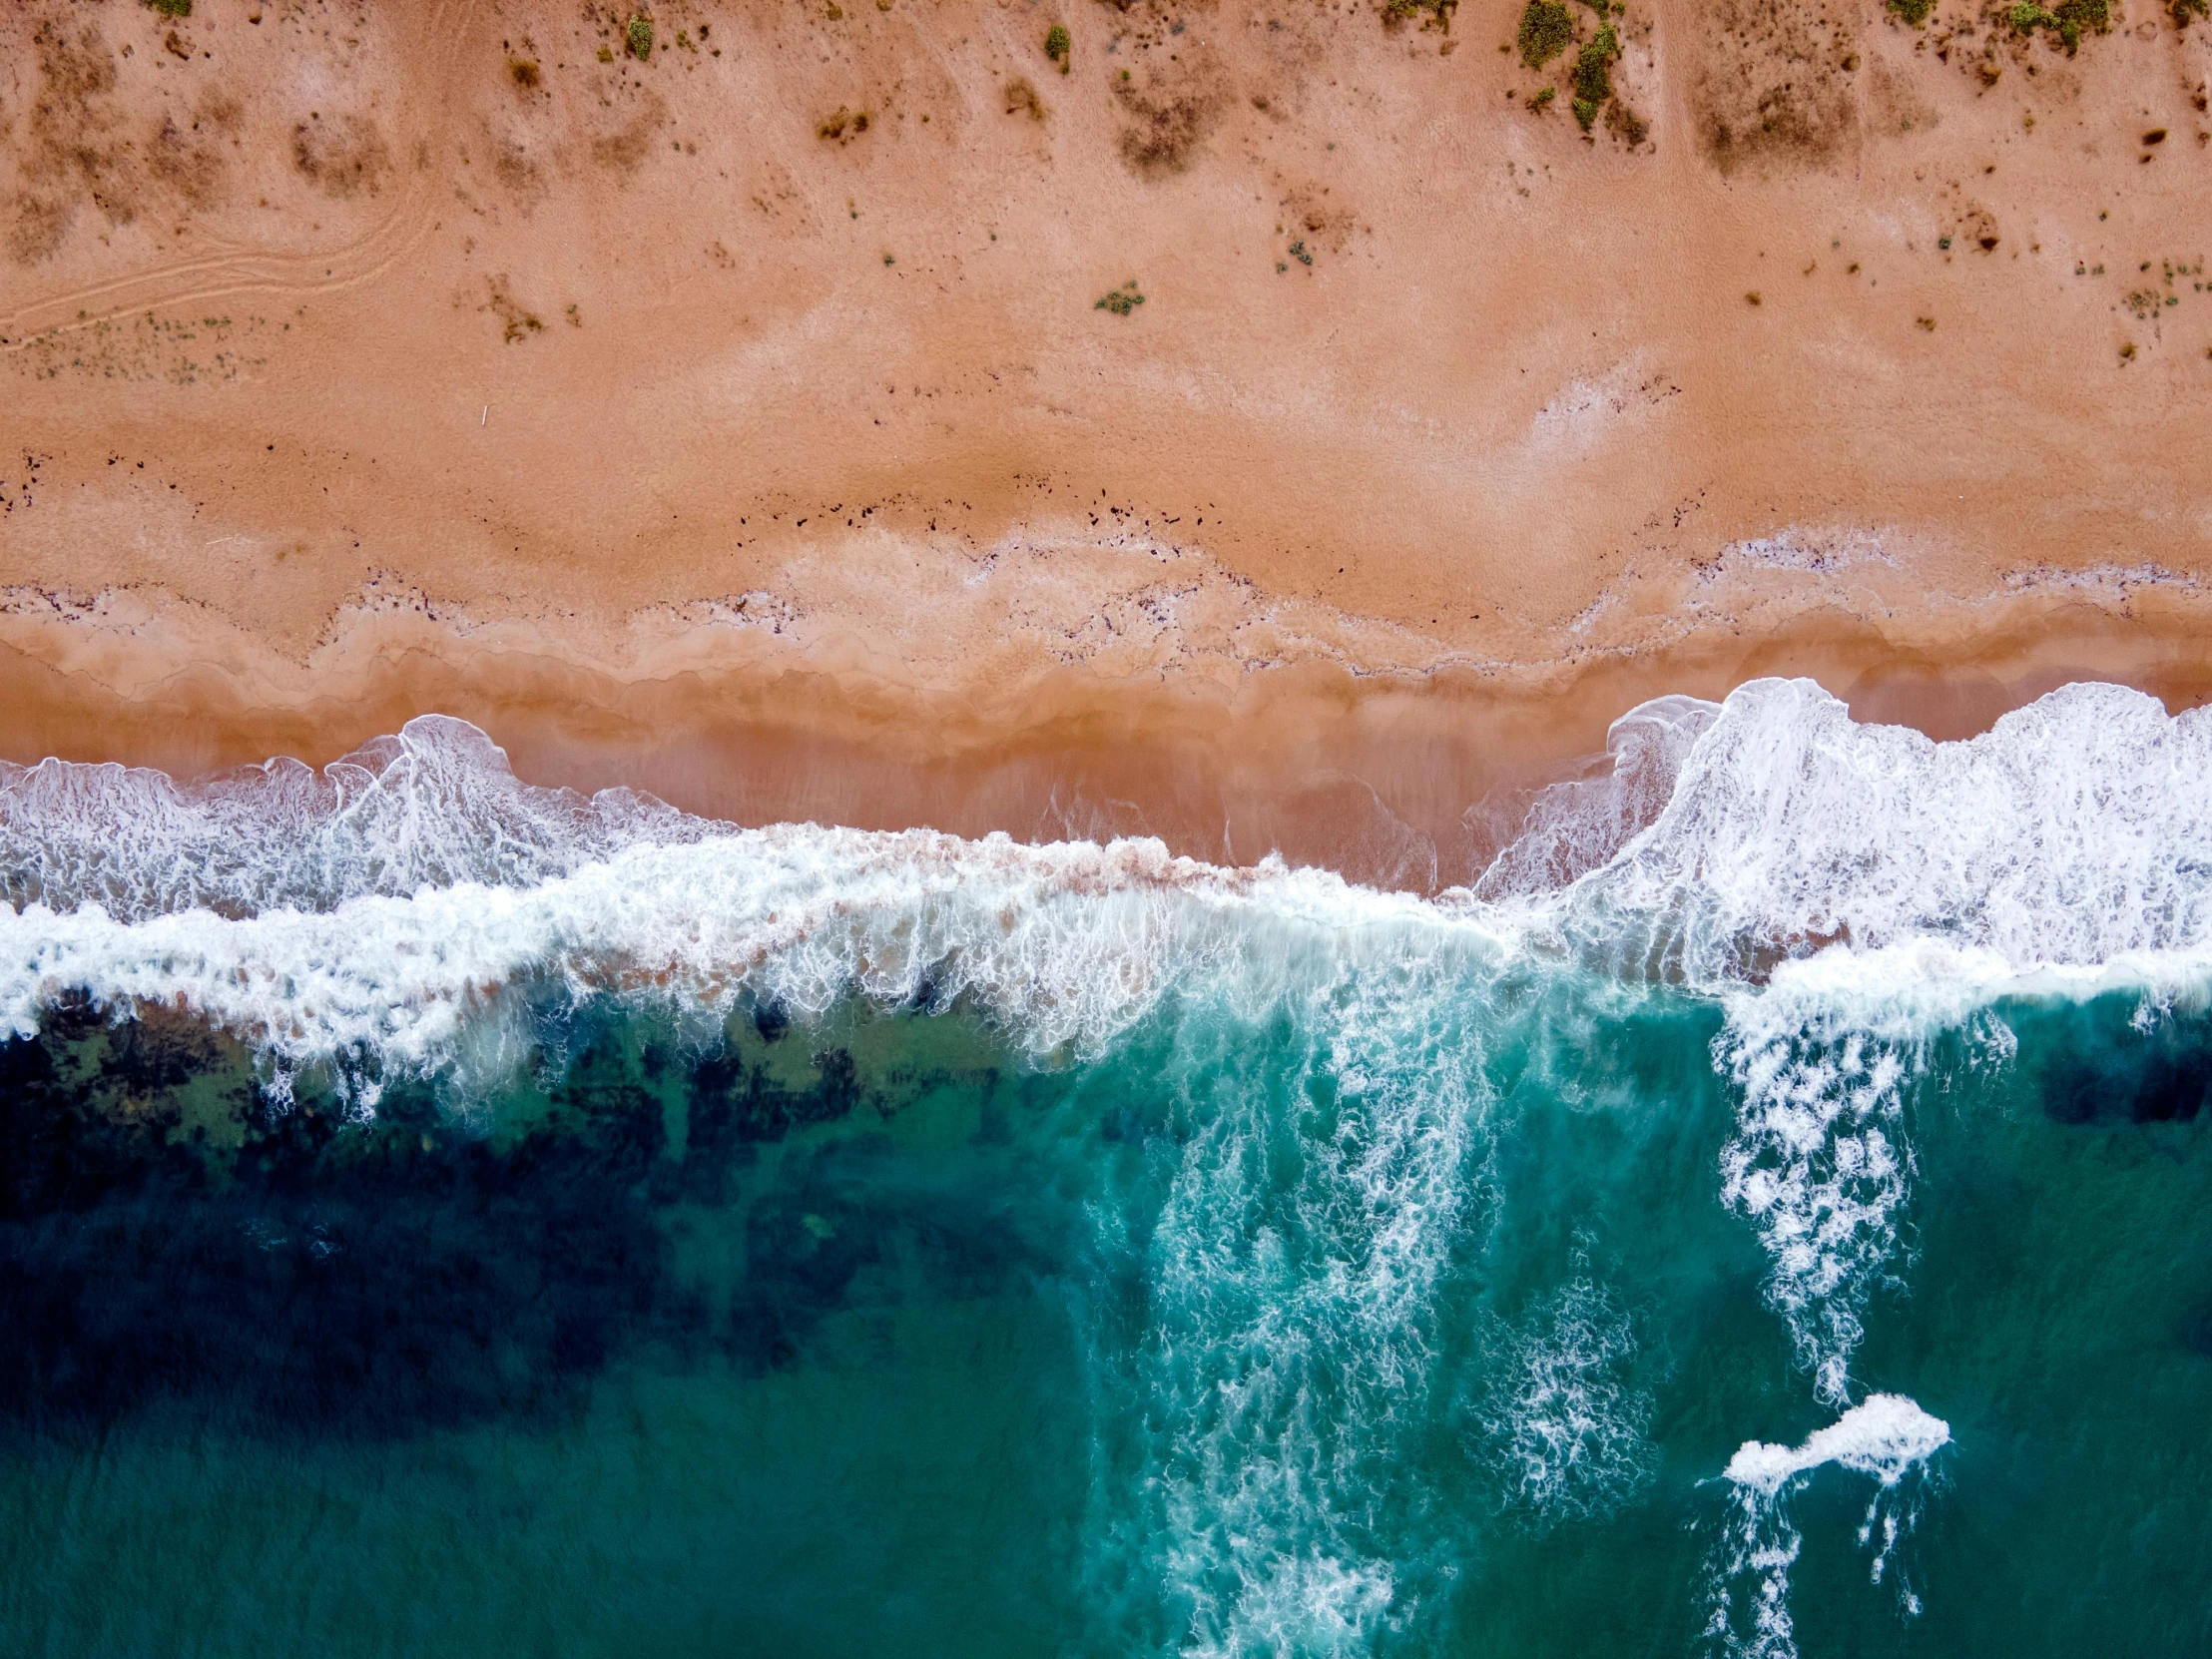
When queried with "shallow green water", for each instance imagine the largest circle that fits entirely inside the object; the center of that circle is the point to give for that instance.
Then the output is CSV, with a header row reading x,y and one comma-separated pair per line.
x,y
1422,1327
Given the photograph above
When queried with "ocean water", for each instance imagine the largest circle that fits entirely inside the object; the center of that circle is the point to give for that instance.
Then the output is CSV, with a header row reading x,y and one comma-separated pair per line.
x,y
1768,1214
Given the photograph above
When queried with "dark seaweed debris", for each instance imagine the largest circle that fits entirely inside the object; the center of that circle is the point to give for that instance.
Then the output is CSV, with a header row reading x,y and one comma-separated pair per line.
x,y
165,1238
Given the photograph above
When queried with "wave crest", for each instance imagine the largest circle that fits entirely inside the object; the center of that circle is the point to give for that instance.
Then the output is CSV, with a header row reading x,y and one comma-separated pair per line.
x,y
434,806
2075,830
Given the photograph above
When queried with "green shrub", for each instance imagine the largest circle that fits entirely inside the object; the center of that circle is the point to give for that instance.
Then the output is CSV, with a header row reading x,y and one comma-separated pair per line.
x,y
637,36
1915,12
2076,15
1056,43
1592,82
171,8
2067,21
1546,31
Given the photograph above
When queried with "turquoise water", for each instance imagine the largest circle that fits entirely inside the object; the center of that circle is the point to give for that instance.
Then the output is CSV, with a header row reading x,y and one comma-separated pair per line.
x,y
877,1336
1768,1216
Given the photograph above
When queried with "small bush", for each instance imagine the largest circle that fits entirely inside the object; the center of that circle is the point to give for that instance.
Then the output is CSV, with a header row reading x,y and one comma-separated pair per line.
x,y
637,36
1546,31
1915,12
1122,301
2067,21
1543,98
2076,15
171,8
1593,82
2183,10
1056,43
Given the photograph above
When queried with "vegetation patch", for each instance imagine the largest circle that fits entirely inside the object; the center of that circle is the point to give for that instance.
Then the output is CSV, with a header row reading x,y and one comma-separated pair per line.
x,y
842,127
516,321
1168,118
1122,301
171,8
1405,11
637,36
2067,21
1625,124
1593,81
1546,31
1915,12
343,156
1058,46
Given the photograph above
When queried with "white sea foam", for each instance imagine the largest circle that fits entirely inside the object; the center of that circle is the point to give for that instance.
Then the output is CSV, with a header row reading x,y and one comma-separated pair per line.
x,y
1566,1424
1886,1437
1068,944
2076,830
435,805
1293,1309
1821,1169
2075,836
1576,826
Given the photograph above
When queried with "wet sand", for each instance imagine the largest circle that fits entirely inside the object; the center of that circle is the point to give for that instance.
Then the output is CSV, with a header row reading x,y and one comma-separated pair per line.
x,y
1402,780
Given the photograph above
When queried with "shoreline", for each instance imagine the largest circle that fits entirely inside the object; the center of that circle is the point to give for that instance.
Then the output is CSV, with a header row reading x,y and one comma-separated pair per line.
x,y
1397,779
752,419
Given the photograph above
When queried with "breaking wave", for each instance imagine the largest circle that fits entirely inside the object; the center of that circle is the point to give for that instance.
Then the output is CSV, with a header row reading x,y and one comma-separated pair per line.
x,y
359,907
1886,1438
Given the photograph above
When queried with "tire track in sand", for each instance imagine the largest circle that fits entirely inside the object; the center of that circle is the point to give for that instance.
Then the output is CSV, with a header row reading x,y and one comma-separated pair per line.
x,y
236,268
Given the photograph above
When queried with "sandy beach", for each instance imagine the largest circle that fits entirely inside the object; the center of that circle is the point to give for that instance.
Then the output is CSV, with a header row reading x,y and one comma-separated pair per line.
x,y
1281,430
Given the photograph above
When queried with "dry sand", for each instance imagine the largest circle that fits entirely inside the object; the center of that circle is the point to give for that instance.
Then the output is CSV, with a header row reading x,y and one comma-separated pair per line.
x,y
358,360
